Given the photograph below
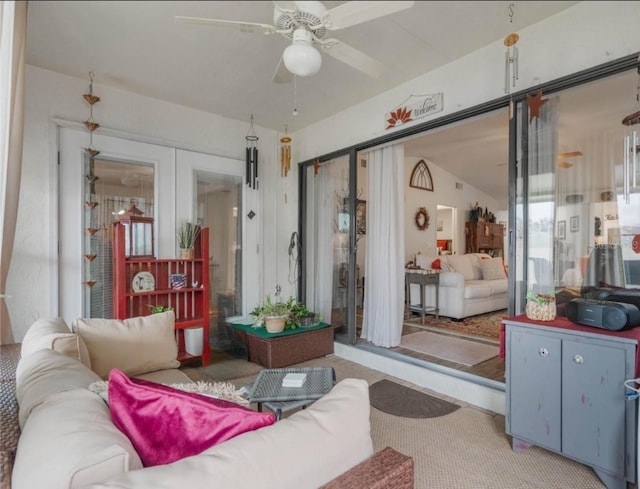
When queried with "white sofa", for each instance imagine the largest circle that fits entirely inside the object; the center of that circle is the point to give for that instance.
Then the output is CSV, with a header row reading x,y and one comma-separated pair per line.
x,y
68,439
470,284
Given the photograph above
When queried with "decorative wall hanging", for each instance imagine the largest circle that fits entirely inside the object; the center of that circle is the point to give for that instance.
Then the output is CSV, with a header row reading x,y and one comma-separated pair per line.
x,y
414,108
634,118
252,157
90,203
285,154
510,56
535,104
422,219
421,177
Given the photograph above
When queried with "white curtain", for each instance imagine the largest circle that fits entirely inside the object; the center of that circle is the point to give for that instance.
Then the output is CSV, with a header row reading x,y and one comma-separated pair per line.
x,y
384,263
325,194
13,30
543,159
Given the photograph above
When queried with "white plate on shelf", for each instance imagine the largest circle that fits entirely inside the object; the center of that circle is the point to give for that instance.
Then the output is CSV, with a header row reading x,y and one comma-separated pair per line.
x,y
143,282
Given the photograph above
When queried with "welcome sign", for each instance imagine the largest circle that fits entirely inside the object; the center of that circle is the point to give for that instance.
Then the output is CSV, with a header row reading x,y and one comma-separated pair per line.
x,y
414,108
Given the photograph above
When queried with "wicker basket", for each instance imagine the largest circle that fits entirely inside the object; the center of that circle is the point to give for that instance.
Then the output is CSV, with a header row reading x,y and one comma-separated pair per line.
x,y
187,253
541,311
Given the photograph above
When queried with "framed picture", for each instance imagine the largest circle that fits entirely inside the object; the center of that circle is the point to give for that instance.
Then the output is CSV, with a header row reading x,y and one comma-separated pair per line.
x,y
562,229
361,217
574,224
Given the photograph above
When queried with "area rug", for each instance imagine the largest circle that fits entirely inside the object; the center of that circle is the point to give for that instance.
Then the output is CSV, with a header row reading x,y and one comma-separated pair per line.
x,y
458,350
486,325
398,400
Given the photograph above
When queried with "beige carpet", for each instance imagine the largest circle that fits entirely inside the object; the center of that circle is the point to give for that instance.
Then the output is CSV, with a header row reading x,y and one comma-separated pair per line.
x,y
467,449
450,348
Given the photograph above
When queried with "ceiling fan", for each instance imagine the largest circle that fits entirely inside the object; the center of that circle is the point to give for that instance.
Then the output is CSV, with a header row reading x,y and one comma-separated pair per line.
x,y
306,24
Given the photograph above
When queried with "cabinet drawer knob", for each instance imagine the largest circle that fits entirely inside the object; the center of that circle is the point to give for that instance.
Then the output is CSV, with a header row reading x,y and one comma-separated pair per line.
x,y
543,352
578,359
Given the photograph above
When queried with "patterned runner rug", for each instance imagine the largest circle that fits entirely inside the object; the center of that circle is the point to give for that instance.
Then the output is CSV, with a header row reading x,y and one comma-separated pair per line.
x,y
450,348
486,325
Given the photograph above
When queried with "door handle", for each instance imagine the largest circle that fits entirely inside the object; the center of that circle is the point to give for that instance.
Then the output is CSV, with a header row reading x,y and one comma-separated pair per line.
x,y
634,152
625,171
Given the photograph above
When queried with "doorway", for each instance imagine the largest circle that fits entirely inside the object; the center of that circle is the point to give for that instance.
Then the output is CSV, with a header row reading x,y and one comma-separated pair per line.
x,y
445,227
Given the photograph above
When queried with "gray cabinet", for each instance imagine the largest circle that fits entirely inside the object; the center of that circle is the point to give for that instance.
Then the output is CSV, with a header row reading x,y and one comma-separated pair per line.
x,y
565,392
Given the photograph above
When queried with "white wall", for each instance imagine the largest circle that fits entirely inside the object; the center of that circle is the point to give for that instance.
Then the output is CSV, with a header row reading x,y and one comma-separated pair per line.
x,y
444,193
583,36
575,39
32,283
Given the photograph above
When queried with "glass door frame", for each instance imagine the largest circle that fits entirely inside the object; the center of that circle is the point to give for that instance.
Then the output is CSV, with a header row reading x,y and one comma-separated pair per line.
x,y
516,167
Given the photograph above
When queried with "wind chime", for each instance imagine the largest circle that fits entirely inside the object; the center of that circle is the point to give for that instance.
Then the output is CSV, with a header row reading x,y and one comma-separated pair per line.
x,y
510,56
285,154
252,157
91,153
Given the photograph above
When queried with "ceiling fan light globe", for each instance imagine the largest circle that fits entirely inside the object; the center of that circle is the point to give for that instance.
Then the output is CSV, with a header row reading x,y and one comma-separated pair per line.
x,y
302,59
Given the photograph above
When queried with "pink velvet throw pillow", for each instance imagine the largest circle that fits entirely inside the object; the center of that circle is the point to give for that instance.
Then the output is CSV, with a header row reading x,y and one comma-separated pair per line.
x,y
165,424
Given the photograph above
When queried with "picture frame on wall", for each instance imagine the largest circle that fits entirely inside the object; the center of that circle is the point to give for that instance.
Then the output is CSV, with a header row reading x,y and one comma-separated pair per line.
x,y
562,229
574,224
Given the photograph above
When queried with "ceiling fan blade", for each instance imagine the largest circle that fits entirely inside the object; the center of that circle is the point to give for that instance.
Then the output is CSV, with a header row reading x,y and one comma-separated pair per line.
x,y
351,56
352,13
282,74
241,26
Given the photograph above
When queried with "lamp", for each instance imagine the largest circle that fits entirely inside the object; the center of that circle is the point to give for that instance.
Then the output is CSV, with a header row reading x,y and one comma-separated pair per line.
x,y
301,58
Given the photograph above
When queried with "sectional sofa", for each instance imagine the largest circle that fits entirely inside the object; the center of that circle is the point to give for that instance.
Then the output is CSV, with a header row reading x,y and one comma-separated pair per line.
x,y
69,440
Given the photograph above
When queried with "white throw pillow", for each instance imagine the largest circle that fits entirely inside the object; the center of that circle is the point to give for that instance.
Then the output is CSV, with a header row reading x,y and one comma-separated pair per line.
x,y
461,264
54,334
493,269
135,345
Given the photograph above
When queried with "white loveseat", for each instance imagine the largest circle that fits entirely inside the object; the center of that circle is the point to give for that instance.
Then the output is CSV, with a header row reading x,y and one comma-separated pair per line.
x,y
470,284
68,439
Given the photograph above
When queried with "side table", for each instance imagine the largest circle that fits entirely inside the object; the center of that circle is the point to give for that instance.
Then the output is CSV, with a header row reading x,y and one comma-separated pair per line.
x,y
267,390
422,278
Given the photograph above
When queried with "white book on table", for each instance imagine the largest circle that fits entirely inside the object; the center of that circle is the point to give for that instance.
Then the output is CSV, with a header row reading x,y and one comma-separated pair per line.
x,y
294,380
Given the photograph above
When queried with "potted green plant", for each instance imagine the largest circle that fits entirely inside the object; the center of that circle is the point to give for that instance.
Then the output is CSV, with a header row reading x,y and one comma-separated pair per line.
x,y
187,235
541,307
273,315
301,315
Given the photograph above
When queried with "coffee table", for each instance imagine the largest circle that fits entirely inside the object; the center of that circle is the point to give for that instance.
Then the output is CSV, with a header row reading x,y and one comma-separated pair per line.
x,y
267,390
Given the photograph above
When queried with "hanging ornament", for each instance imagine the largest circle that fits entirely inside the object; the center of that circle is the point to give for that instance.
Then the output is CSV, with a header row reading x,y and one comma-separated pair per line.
x,y
316,167
91,177
252,157
510,56
535,104
285,154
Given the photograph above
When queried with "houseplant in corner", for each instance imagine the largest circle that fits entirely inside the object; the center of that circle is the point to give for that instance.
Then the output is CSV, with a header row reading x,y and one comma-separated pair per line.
x,y
187,235
273,315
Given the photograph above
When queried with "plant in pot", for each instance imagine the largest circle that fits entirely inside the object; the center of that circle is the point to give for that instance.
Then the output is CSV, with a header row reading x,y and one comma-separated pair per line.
x,y
273,315
541,307
187,235
301,315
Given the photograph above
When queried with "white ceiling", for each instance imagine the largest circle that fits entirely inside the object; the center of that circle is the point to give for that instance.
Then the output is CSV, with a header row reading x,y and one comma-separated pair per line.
x,y
138,46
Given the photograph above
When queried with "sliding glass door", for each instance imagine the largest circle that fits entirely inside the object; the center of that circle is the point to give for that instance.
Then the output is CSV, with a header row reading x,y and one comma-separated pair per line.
x,y
578,192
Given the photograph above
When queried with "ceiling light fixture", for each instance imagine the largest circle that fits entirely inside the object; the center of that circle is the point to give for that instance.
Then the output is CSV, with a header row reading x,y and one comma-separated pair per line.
x,y
301,58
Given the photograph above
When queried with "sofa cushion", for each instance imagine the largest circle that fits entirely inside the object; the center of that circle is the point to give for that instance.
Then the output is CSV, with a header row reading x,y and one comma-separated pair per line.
x,y
493,268
498,286
69,441
476,289
462,264
45,373
135,346
166,424
305,450
54,334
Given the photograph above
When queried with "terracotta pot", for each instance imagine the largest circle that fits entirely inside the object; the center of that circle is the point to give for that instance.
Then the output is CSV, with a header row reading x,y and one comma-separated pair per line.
x,y
274,324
